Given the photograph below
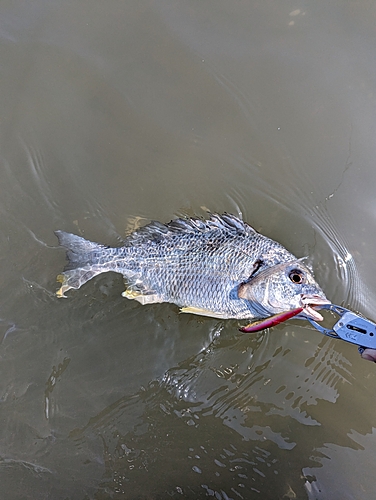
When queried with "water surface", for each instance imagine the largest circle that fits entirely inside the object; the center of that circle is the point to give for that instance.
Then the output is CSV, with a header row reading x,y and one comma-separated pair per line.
x,y
116,113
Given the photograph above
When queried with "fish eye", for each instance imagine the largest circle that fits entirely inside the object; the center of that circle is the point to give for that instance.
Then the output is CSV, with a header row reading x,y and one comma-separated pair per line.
x,y
296,276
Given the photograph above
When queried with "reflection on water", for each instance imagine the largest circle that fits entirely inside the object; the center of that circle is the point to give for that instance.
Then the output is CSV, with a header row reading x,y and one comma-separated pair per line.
x,y
335,461
177,420
116,115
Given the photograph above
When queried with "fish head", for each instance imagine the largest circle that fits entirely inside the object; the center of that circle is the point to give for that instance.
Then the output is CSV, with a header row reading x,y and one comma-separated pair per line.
x,y
284,287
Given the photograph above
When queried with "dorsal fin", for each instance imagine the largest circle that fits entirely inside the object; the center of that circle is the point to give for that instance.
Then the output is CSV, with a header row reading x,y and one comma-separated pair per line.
x,y
155,231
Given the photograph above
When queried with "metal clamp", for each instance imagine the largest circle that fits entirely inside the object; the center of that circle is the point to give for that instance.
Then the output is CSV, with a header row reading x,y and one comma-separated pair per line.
x,y
350,327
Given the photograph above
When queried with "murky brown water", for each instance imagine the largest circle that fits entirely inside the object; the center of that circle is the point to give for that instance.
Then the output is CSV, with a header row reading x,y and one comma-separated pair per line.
x,y
115,113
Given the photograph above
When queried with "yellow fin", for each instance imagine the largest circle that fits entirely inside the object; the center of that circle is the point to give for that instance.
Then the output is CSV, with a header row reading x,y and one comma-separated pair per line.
x,y
203,312
130,294
141,298
60,278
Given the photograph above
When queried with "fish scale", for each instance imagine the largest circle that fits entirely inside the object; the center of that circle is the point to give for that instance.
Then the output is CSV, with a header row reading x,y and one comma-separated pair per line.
x,y
196,264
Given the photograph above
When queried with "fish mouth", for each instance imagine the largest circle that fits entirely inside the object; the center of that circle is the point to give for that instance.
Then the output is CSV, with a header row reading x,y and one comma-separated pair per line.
x,y
310,303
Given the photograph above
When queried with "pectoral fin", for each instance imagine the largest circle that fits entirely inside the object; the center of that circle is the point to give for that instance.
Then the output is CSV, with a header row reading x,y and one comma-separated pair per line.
x,y
203,312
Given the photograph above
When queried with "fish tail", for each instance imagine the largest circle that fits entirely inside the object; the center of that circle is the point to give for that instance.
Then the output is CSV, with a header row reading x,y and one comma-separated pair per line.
x,y
84,261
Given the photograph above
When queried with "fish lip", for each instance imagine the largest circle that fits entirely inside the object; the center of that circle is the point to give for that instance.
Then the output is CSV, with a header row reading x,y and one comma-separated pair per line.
x,y
310,303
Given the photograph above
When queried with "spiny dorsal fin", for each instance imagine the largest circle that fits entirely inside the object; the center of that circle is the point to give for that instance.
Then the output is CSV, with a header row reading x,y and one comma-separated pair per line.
x,y
156,231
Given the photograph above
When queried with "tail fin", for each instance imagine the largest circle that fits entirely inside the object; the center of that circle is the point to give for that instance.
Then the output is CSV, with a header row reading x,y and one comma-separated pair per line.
x,y
84,261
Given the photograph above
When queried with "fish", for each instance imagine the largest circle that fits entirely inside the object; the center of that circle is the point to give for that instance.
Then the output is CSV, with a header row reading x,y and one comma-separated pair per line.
x,y
218,267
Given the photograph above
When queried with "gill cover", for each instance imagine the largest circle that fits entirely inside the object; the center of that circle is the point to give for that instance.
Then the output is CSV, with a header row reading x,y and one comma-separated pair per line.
x,y
280,288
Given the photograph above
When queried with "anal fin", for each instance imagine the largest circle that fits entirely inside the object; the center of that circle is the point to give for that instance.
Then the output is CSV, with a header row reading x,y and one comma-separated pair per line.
x,y
142,298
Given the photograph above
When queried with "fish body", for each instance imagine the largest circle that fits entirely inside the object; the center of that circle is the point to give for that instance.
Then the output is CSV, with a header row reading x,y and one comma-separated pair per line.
x,y
220,267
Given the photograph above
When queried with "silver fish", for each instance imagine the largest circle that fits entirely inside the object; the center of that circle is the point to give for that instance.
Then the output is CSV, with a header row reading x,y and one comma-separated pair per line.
x,y
220,267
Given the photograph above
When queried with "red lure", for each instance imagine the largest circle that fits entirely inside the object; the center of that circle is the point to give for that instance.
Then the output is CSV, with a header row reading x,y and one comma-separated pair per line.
x,y
271,321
